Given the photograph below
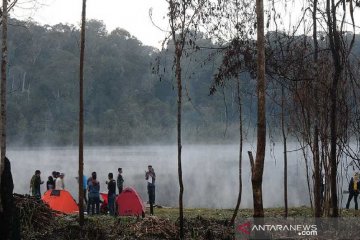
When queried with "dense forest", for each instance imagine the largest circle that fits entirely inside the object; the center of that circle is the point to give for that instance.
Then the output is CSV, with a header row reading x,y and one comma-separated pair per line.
x,y
125,102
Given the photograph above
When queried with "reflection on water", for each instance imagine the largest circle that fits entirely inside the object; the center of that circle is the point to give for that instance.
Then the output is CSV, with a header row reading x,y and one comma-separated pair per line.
x,y
210,172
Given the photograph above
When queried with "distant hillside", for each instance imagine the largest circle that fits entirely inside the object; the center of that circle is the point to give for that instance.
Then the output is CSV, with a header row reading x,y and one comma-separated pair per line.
x,y
124,102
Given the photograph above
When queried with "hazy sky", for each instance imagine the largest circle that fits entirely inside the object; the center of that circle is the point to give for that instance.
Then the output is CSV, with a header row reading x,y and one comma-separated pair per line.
x,y
132,15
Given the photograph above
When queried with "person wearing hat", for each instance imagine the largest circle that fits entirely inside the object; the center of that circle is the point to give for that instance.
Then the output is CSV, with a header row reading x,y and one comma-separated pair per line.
x,y
59,183
354,191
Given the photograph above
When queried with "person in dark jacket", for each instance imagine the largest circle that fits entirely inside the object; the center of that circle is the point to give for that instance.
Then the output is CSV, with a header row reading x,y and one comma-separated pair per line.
x,y
50,184
9,220
150,176
354,191
111,184
120,180
35,184
94,195
54,175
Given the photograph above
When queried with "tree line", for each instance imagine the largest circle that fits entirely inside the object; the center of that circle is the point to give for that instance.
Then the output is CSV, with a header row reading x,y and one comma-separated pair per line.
x,y
125,102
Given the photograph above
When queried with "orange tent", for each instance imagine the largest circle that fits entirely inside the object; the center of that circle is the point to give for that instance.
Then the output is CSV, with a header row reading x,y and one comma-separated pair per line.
x,y
60,200
129,203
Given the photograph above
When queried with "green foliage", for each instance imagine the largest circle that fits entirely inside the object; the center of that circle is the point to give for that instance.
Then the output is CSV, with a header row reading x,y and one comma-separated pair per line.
x,y
125,103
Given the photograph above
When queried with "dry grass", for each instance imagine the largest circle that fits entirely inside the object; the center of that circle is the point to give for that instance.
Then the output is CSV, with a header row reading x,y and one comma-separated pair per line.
x,y
199,223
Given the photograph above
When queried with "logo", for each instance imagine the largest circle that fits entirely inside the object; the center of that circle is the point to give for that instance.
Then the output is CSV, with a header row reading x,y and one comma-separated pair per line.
x,y
244,228
275,229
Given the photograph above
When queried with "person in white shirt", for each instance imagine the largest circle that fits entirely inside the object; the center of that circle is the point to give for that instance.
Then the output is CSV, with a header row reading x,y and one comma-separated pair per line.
x,y
59,183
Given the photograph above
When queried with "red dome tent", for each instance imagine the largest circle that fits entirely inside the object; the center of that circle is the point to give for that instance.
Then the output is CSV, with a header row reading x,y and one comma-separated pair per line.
x,y
60,200
104,204
129,203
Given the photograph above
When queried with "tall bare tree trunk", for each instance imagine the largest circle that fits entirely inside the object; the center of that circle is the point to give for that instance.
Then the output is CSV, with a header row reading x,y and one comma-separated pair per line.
x,y
317,191
240,155
258,169
81,117
285,151
178,53
334,40
3,91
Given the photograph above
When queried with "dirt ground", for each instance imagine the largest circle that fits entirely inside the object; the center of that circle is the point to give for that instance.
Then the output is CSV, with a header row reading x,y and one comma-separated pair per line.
x,y
38,222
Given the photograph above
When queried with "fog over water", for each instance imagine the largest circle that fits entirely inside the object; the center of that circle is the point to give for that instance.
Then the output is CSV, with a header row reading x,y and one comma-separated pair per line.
x,y
210,172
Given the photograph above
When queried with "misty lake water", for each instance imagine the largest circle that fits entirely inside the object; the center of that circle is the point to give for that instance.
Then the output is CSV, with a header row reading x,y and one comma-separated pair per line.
x,y
210,172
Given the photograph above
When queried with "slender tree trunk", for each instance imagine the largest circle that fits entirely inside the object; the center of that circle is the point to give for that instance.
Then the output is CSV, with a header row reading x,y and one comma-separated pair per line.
x,y
317,191
81,117
308,178
333,162
257,171
240,155
334,40
4,53
179,102
285,151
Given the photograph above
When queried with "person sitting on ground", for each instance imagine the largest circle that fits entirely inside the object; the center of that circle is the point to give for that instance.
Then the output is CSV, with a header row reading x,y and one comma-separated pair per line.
x,y
35,184
354,191
111,194
94,195
120,180
59,183
50,184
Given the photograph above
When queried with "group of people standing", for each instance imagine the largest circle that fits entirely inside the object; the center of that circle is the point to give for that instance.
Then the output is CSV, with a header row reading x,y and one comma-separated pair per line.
x,y
56,181
92,188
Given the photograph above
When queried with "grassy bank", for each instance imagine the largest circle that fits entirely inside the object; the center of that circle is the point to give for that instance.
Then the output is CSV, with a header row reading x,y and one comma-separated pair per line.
x,y
199,224
36,220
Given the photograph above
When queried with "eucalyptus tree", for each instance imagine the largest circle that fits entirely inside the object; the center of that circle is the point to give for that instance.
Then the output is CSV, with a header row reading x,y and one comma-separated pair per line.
x,y
6,201
81,116
257,167
317,171
240,56
4,53
183,19
319,105
233,26
340,56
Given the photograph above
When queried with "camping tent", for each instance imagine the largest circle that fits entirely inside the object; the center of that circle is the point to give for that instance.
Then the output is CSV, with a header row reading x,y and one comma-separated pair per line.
x,y
104,204
129,203
60,200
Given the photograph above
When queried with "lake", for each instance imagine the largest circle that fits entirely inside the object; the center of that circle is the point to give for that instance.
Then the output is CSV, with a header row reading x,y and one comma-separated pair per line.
x,y
210,172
